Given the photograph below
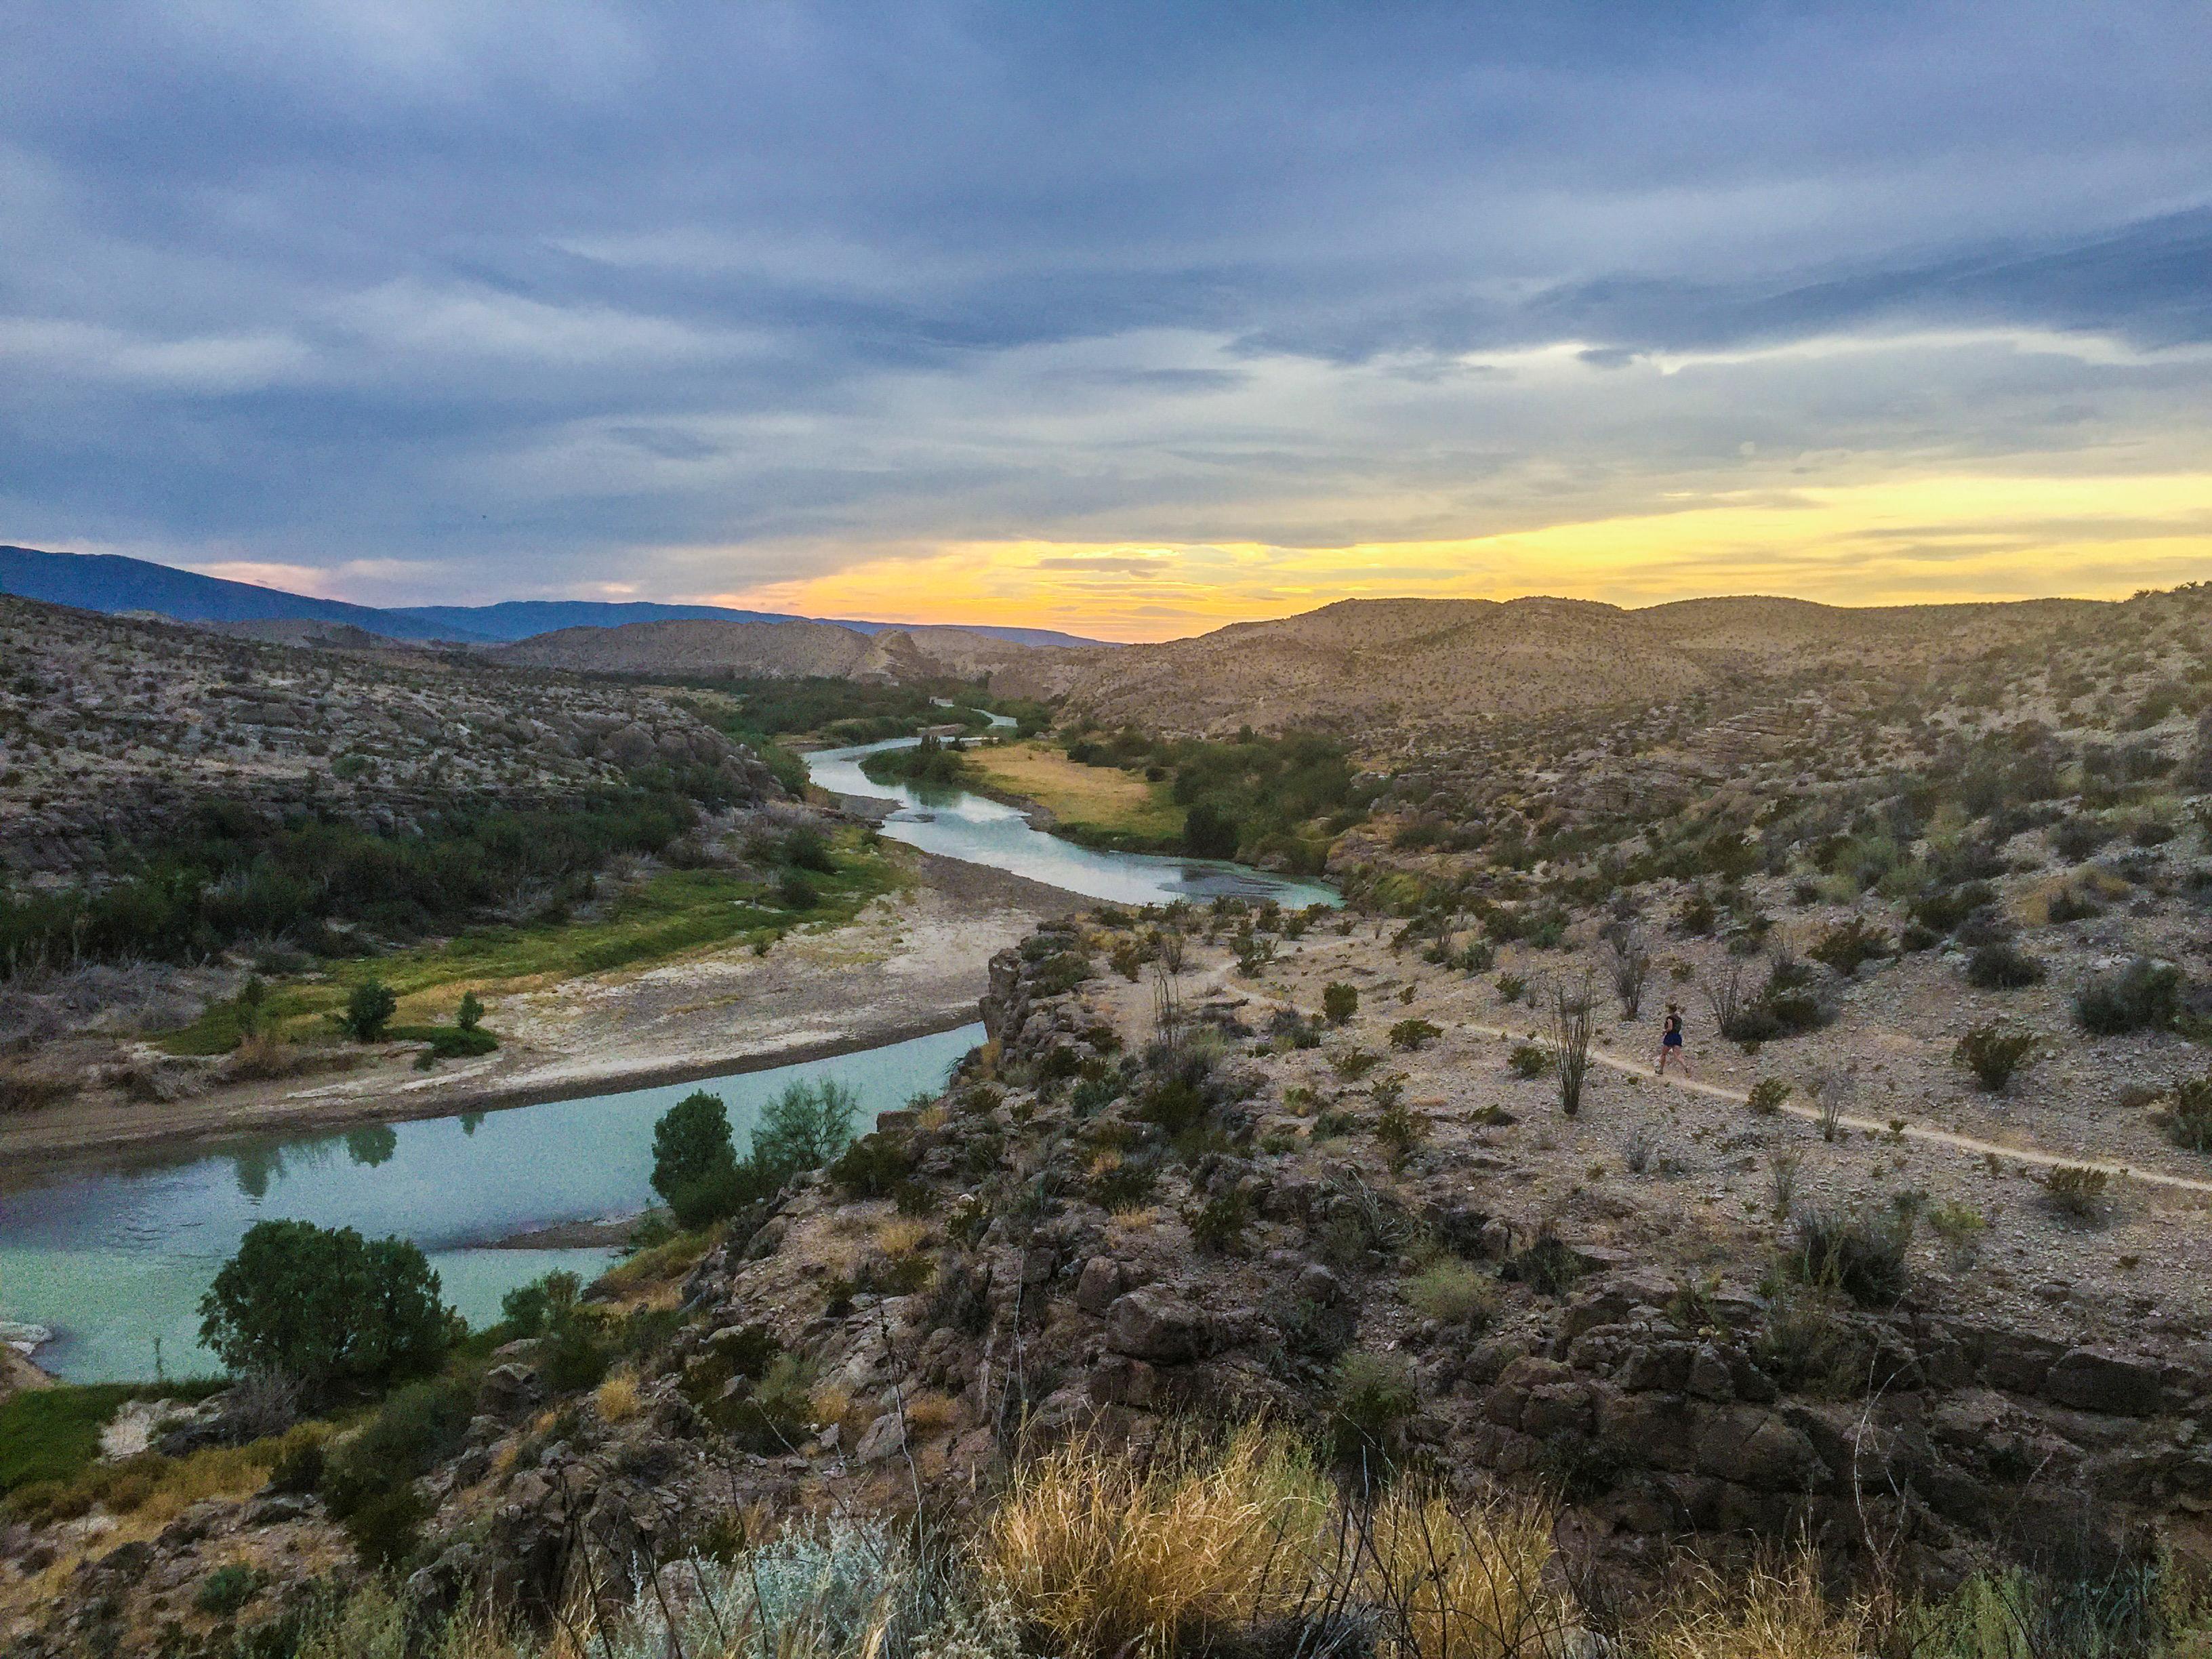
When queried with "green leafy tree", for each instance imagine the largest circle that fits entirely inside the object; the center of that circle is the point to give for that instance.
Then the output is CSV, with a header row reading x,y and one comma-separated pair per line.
x,y
691,1143
805,1128
1210,833
368,1010
327,1308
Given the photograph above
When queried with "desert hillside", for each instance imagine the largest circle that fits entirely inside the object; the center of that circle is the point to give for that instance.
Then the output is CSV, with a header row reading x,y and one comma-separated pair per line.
x,y
771,650
1361,663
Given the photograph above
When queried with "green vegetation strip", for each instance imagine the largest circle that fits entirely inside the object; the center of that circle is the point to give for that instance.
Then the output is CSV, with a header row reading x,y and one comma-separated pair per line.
x,y
670,914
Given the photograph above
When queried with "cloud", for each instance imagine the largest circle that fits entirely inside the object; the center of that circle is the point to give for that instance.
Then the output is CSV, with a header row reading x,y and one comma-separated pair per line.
x,y
718,299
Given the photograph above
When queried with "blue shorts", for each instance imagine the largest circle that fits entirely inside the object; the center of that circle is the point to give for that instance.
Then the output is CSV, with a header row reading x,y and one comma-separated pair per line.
x,y
1672,1040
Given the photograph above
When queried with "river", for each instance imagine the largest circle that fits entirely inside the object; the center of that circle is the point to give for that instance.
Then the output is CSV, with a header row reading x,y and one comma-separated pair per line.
x,y
113,1261
110,1261
963,825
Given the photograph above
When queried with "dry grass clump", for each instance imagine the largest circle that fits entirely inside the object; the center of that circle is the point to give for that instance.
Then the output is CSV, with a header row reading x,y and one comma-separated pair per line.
x,y
1773,1612
617,1398
1097,1556
1102,1557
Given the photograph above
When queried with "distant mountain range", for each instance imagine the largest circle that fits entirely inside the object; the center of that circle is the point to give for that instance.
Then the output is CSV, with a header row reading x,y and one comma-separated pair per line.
x,y
112,583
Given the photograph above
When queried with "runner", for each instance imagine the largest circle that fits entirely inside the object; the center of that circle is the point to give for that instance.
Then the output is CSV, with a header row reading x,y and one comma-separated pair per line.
x,y
1670,1043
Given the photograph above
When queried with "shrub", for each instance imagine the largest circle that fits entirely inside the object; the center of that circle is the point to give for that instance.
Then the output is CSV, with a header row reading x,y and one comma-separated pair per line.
x,y
1512,986
2073,904
227,1590
326,1308
1961,1226
872,1167
2003,968
1370,1396
2189,1119
1994,1053
1400,1129
1452,1293
1946,907
1846,945
368,1010
1767,1094
778,1413
2077,1191
2143,995
1218,1225
1339,1003
1412,1034
1810,1345
470,1014
1529,1059
1861,1254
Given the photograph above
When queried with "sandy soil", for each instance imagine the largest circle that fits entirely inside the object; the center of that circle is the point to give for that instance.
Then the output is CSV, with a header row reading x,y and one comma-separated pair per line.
x,y
911,963
1689,1151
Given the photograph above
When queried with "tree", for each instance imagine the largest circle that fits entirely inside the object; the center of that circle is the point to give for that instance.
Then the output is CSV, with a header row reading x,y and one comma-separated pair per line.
x,y
1210,833
470,1014
805,1128
691,1143
368,1010
327,1308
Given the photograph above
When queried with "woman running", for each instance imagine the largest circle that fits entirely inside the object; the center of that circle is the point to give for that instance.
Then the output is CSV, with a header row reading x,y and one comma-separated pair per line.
x,y
1670,1043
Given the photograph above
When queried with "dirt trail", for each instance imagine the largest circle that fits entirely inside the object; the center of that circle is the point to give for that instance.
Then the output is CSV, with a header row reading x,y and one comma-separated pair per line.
x,y
1218,981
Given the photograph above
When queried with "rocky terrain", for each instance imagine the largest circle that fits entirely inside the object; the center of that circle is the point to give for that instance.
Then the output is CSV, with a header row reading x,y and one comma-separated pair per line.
x,y
112,730
782,649
1416,666
1156,1191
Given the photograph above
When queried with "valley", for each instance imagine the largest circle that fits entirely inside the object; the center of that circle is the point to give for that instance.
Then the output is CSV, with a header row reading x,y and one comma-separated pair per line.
x,y
1903,1264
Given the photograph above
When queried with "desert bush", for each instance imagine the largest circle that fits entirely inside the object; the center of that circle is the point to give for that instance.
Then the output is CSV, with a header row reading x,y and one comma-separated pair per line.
x,y
1631,966
2189,1117
226,1590
1352,1064
1944,909
1512,988
1400,1129
1529,1059
874,1166
21,1091
1859,1252
1370,1396
1808,1344
1767,1094
1961,1226
1453,1292
2077,1191
1410,1035
2073,904
2076,838
1994,1055
1219,1225
1849,944
1573,1017
2145,995
1339,1003
1781,1610
2003,968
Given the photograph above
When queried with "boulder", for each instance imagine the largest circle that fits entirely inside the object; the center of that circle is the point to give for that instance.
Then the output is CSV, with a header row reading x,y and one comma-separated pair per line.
x,y
1154,1324
2101,1380
510,1392
1099,1284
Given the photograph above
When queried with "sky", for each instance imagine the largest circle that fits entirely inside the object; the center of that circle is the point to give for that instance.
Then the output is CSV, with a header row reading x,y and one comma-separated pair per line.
x,y
1129,319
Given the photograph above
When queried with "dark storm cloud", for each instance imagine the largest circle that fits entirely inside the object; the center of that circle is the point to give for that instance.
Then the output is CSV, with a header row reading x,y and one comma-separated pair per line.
x,y
513,289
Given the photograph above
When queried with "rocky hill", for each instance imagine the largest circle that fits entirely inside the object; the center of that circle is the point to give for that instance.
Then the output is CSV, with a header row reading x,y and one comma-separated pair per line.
x,y
112,731
777,650
1365,665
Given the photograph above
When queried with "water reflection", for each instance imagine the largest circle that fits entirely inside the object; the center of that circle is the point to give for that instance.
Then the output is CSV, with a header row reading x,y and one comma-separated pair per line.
x,y
115,1261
